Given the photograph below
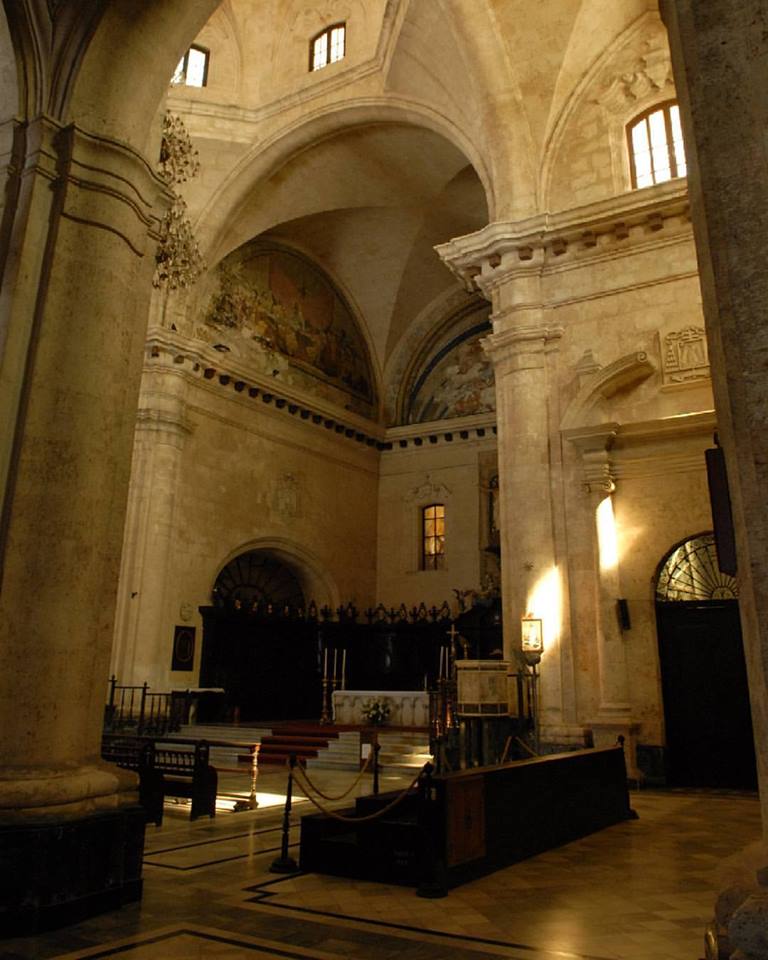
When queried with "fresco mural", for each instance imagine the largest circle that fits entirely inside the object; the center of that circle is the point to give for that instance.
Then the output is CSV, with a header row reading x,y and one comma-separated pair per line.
x,y
284,304
459,382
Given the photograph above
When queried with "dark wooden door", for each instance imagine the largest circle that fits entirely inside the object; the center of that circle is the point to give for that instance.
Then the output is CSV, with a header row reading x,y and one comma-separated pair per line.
x,y
269,667
706,700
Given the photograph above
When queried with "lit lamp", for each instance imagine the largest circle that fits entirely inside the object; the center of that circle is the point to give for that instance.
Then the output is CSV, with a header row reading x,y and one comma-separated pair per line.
x,y
532,643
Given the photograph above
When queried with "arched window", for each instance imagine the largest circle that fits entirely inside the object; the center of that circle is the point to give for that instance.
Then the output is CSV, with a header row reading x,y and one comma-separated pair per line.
x,y
691,572
656,149
328,46
433,537
192,70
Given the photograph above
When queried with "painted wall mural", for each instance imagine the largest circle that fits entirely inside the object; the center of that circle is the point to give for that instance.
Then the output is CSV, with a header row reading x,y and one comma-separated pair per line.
x,y
458,382
283,304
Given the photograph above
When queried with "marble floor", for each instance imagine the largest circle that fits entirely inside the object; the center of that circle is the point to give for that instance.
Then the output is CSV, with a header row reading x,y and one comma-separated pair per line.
x,y
644,888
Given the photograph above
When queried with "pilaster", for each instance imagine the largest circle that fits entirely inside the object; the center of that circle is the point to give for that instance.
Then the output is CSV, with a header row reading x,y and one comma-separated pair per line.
x,y
141,650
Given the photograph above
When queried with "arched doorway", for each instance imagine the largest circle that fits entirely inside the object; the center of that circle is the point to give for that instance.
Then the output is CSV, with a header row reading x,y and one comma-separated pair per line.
x,y
260,643
709,741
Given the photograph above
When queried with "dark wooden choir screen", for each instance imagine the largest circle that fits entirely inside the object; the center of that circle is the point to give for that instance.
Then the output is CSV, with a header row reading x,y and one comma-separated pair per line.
x,y
270,661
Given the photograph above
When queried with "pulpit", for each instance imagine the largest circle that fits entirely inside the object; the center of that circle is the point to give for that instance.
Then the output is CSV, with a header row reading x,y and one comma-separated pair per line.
x,y
487,688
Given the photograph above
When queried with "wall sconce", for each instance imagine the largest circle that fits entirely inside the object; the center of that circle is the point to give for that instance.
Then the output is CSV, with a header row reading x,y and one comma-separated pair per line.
x,y
532,635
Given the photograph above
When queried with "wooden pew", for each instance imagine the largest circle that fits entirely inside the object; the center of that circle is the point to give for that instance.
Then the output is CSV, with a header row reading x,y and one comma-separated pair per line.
x,y
166,769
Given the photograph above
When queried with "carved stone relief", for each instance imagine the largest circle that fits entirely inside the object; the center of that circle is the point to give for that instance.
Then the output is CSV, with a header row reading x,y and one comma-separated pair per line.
x,y
684,355
429,492
287,497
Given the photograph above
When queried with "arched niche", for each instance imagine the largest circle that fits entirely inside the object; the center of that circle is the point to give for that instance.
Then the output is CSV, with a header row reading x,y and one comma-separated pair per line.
x,y
449,375
313,580
272,304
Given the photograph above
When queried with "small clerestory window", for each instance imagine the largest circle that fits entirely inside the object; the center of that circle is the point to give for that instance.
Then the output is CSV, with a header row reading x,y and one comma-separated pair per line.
x,y
192,70
328,46
656,148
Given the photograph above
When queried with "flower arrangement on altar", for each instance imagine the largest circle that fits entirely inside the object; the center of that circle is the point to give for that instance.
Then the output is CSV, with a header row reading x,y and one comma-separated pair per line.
x,y
375,711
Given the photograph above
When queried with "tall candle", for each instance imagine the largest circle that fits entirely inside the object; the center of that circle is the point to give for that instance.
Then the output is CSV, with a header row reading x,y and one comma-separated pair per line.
x,y
440,669
344,669
325,664
335,653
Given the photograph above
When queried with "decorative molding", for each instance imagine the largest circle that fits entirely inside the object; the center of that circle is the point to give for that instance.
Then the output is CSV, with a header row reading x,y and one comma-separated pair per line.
x,y
625,372
593,445
651,76
612,452
106,184
521,339
201,363
504,250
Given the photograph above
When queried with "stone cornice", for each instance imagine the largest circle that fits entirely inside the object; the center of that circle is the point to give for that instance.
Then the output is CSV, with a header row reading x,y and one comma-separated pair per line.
x,y
611,452
504,249
176,355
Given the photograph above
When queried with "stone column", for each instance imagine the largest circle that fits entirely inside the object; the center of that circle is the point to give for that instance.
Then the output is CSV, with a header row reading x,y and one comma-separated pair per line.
x,y
519,353
81,303
503,263
719,55
720,61
522,348
143,644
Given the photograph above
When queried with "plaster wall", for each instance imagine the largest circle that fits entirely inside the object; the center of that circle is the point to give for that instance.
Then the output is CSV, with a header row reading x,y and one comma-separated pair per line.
x,y
251,477
448,473
655,433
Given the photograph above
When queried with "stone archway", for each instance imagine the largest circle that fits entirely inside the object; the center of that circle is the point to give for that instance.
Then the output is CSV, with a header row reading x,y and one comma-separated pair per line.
x,y
261,641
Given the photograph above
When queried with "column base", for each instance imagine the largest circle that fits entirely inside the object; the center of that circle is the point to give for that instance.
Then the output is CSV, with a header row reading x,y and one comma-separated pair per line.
x,y
57,873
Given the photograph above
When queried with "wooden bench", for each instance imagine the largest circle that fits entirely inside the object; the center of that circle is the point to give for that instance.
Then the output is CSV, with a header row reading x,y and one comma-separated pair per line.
x,y
166,771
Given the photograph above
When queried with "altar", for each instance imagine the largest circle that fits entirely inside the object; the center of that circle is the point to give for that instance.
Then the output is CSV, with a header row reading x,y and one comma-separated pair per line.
x,y
408,708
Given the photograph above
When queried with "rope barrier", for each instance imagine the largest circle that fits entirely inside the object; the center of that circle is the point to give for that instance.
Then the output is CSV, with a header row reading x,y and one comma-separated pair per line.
x,y
370,816
346,793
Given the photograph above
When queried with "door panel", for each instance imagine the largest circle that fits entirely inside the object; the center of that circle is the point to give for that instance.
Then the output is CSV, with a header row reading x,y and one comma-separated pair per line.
x,y
706,699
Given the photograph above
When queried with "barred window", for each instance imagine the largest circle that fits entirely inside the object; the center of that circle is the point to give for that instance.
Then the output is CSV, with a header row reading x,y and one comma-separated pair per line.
x,y
433,537
656,148
328,46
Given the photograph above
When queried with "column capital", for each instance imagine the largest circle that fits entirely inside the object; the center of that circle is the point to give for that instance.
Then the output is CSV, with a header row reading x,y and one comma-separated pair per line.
x,y
521,339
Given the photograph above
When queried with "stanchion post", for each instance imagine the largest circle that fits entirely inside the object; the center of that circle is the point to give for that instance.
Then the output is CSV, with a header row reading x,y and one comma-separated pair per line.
x,y
285,863
253,799
375,746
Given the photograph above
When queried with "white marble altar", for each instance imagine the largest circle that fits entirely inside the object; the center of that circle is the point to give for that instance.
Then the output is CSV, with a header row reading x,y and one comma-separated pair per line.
x,y
408,708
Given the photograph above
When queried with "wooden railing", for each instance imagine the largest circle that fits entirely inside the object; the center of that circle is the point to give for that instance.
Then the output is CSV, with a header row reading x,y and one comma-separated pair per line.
x,y
140,711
